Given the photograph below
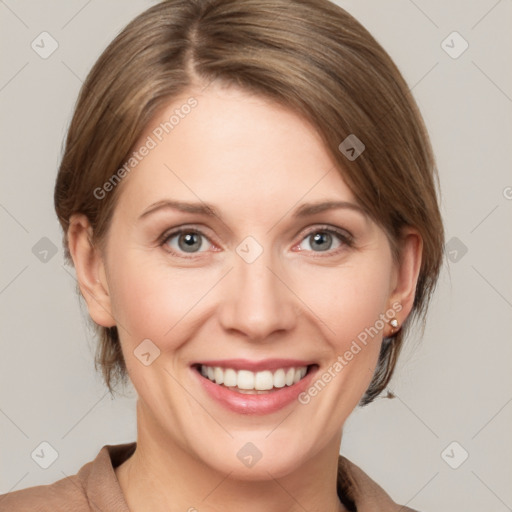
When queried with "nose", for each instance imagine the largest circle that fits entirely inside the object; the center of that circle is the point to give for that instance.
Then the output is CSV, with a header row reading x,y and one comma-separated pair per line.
x,y
257,300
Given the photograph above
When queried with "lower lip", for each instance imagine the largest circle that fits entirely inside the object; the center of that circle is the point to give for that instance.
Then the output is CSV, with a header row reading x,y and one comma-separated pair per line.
x,y
267,403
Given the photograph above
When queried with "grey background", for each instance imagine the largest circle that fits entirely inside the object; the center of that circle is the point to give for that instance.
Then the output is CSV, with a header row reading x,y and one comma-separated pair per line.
x,y
453,384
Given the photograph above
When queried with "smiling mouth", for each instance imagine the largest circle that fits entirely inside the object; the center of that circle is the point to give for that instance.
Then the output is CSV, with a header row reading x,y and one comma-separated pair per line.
x,y
254,383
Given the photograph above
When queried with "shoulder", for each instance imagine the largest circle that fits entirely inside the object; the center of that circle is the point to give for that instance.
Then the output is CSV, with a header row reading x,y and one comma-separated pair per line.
x,y
367,494
94,487
56,497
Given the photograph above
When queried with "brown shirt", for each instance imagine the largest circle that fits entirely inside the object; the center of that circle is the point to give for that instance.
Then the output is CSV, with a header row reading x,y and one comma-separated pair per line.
x,y
95,488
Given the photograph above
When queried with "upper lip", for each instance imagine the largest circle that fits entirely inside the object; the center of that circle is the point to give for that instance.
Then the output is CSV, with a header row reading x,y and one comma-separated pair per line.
x,y
255,366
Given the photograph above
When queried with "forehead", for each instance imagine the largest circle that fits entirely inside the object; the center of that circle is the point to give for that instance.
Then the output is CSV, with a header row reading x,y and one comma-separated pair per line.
x,y
232,148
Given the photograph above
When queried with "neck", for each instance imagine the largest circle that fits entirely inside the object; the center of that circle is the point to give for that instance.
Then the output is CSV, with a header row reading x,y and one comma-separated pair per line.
x,y
162,476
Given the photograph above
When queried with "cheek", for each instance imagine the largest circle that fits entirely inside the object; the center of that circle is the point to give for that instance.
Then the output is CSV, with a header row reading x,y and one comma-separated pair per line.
x,y
151,300
138,299
352,309
351,300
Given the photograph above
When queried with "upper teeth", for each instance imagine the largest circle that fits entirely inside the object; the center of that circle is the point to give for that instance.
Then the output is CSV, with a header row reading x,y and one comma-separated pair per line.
x,y
260,381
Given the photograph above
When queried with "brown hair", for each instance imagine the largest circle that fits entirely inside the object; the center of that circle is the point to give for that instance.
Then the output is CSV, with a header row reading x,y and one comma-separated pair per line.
x,y
309,55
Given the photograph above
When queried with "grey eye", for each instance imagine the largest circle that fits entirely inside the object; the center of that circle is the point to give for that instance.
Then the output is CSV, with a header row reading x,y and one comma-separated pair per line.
x,y
187,241
323,240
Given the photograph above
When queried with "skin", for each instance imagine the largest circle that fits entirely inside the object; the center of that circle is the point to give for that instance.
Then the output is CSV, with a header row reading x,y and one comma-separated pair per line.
x,y
255,162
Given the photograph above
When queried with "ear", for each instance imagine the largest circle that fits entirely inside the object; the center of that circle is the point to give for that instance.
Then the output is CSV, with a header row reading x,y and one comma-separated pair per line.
x,y
407,269
90,270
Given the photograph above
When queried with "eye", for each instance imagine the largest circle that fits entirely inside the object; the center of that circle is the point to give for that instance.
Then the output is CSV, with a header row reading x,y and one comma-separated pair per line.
x,y
322,239
184,240
181,242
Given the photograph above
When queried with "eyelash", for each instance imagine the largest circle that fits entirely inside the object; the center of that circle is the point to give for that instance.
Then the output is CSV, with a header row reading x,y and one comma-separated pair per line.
x,y
344,237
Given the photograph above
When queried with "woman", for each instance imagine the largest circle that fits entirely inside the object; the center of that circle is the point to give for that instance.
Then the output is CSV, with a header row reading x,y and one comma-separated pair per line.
x,y
214,145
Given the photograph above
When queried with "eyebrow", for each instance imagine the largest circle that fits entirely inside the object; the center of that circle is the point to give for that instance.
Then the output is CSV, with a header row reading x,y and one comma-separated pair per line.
x,y
208,210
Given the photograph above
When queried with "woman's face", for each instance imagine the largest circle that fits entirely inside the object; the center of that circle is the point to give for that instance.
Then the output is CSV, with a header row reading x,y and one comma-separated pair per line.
x,y
265,284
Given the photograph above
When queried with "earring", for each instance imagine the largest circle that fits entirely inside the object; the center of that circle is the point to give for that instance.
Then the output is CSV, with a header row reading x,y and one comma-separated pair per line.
x,y
394,323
